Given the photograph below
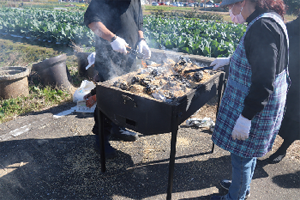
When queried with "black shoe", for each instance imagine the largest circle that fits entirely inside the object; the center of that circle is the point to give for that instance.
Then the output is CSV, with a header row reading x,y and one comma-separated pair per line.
x,y
110,152
226,184
276,158
123,134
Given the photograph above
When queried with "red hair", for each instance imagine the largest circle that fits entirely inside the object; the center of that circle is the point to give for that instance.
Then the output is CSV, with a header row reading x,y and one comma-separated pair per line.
x,y
276,5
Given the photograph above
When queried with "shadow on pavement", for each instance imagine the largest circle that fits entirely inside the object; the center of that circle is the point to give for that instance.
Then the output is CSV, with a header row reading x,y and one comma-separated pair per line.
x,y
54,110
69,168
65,107
60,168
197,198
291,180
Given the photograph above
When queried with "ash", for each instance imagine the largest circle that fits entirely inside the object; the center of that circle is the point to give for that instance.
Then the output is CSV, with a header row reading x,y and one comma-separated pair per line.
x,y
164,82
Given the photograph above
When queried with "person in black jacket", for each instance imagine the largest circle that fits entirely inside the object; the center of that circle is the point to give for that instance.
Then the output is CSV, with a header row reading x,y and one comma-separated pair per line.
x,y
290,127
117,25
253,103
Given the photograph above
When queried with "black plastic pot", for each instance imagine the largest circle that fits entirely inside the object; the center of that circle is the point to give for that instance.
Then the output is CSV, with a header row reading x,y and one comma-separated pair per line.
x,y
53,71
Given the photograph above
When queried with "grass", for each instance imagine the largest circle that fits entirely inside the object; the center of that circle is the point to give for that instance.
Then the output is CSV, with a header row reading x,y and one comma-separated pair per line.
x,y
21,54
72,6
165,8
40,97
151,9
16,53
287,18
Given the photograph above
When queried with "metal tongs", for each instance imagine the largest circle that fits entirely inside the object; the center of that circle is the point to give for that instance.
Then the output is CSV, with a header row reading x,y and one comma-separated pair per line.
x,y
200,69
135,53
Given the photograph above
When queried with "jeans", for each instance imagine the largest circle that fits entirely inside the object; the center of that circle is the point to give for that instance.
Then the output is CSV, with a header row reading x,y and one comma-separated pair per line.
x,y
242,173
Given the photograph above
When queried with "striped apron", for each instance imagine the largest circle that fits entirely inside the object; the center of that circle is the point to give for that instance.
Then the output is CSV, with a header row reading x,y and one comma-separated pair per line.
x,y
265,124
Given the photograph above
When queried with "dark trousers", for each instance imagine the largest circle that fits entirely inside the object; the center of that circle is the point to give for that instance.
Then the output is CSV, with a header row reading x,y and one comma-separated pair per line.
x,y
289,131
107,124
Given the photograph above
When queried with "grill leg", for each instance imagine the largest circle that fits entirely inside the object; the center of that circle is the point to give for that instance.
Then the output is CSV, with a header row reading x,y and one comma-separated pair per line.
x,y
213,148
220,94
172,155
101,140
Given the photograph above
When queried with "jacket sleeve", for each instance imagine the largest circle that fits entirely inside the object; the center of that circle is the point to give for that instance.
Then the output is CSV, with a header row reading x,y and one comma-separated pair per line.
x,y
261,44
94,12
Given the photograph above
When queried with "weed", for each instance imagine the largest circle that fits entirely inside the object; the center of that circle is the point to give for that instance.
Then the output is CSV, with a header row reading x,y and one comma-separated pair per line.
x,y
193,14
38,98
15,53
20,54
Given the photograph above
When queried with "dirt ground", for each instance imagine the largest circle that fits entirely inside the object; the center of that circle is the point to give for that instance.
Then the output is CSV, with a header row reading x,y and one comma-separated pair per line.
x,y
48,157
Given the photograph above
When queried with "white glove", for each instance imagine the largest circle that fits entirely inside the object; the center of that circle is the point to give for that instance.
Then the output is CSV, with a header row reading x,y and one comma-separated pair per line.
x,y
220,62
241,129
143,48
119,45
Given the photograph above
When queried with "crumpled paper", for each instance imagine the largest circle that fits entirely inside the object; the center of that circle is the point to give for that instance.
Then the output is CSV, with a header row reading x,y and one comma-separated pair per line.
x,y
159,96
200,123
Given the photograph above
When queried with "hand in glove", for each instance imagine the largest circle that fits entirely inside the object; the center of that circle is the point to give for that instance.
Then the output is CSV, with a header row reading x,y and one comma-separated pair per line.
x,y
143,48
241,129
119,45
91,101
218,63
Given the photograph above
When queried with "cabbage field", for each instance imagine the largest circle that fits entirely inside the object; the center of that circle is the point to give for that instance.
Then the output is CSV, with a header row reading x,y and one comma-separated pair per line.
x,y
193,36
50,26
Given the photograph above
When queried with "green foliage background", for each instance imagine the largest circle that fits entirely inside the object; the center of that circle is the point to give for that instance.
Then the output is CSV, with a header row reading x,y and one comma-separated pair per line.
x,y
293,6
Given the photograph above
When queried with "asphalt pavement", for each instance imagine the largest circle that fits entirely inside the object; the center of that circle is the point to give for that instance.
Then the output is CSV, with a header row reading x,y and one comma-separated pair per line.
x,y
48,156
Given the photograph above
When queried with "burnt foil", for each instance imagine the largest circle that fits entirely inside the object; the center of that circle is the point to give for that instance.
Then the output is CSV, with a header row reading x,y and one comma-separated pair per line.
x,y
150,116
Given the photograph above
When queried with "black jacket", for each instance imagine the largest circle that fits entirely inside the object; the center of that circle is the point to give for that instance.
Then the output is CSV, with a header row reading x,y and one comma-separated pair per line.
x,y
266,51
122,17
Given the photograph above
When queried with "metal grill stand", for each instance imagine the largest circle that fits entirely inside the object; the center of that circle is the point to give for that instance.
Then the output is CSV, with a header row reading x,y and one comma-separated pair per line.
x,y
174,130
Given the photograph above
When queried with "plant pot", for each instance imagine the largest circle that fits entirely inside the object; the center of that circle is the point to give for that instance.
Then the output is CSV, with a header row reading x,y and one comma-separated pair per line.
x,y
53,71
82,63
13,82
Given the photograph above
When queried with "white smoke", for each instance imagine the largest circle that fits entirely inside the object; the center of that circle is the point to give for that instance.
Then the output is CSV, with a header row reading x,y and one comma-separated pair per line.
x,y
143,2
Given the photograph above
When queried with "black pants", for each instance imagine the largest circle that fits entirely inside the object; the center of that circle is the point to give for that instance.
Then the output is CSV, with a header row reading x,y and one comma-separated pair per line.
x,y
289,131
109,63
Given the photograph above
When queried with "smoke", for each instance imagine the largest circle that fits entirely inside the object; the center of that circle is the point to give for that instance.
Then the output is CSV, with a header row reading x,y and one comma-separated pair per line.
x,y
143,2
115,70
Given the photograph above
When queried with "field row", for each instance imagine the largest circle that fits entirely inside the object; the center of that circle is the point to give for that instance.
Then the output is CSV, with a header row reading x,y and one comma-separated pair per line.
x,y
201,37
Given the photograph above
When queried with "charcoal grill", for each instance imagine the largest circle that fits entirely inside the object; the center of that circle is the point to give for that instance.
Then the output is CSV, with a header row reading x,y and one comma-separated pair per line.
x,y
149,116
